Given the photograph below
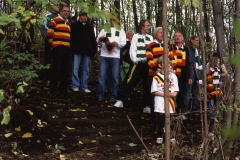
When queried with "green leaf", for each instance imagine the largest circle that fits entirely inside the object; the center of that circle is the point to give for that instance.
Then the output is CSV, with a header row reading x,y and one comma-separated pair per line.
x,y
107,27
236,27
231,133
1,31
132,144
236,59
20,89
1,95
6,115
94,15
3,43
91,9
10,2
196,3
187,2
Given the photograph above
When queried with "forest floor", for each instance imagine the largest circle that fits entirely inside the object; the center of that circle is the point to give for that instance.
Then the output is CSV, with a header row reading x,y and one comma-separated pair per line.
x,y
78,127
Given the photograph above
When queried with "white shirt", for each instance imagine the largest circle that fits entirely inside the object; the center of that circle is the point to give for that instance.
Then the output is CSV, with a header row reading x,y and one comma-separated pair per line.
x,y
159,87
121,40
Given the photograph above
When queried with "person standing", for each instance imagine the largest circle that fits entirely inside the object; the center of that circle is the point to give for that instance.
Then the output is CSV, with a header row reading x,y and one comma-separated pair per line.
x,y
58,35
47,18
140,68
83,45
157,89
194,68
111,43
180,63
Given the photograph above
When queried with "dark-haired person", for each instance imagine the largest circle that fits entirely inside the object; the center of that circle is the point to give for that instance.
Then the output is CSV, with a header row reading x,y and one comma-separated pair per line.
x,y
83,46
194,70
58,35
140,68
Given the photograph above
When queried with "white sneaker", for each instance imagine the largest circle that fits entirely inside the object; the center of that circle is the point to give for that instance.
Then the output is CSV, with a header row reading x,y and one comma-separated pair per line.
x,y
118,104
75,89
147,110
87,91
159,141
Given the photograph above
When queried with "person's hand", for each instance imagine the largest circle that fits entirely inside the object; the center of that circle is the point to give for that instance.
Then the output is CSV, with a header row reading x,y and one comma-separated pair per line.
x,y
189,81
101,38
115,44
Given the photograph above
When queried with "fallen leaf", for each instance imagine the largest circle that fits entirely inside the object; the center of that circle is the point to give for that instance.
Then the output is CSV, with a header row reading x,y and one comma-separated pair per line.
x,y
90,154
118,149
94,141
62,157
55,116
93,126
69,128
30,112
132,144
80,142
27,135
15,153
77,110
7,135
44,105
38,141
18,129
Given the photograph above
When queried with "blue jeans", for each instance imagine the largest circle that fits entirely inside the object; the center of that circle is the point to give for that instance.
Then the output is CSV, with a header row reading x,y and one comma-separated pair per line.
x,y
213,104
81,83
192,89
108,67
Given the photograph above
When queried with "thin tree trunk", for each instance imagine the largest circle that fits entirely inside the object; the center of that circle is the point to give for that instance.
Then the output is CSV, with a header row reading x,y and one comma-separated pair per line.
x,y
135,15
117,5
159,13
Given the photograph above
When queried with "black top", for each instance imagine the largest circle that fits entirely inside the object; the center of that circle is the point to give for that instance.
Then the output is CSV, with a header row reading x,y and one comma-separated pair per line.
x,y
126,57
83,39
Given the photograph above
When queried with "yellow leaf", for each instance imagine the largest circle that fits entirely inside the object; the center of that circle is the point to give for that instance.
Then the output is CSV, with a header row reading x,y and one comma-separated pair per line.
x,y
90,154
33,21
7,135
69,128
15,153
118,149
93,126
32,13
18,129
62,157
44,105
27,135
30,112
94,141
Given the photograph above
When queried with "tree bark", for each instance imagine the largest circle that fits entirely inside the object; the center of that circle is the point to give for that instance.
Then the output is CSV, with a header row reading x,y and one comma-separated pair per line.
x,y
159,13
135,15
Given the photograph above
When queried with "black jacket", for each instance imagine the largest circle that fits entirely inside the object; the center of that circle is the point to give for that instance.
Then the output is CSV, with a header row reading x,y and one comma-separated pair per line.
x,y
83,39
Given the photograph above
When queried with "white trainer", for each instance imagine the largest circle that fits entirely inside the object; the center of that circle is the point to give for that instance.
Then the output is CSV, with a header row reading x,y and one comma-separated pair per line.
x,y
87,91
118,104
147,110
75,89
159,141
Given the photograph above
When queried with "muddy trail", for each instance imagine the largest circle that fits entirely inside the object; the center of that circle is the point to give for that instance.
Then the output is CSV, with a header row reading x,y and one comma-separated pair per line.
x,y
81,128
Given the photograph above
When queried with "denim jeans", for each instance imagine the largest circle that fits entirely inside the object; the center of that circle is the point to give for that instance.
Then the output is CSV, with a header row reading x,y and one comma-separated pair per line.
x,y
108,67
213,104
191,89
82,82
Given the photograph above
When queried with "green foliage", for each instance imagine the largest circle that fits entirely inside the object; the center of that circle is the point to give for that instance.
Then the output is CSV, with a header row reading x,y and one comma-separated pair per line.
x,y
236,26
1,95
6,115
231,133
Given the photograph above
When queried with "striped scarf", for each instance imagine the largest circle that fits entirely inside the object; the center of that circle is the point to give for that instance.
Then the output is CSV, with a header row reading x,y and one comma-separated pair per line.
x,y
199,66
213,79
141,45
171,101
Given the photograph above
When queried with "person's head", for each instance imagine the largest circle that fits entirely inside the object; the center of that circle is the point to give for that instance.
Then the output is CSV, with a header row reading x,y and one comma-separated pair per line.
x,y
145,26
178,38
158,34
129,34
194,41
64,11
216,55
215,62
112,20
160,62
83,17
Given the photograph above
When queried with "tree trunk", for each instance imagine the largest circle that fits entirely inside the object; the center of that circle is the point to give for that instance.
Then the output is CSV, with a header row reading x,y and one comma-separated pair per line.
x,y
219,27
117,5
159,13
135,15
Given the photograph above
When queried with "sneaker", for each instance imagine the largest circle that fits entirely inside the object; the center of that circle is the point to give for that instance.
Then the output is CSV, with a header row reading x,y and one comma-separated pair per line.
x,y
87,91
118,104
76,89
159,141
147,110
48,83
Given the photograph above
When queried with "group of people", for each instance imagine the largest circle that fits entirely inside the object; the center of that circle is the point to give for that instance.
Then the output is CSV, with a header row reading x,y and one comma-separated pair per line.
x,y
143,52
